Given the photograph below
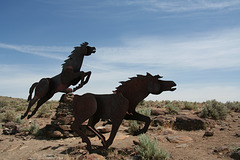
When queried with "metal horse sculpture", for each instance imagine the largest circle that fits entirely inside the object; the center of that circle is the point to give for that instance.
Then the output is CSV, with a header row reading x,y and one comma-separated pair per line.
x,y
116,107
70,75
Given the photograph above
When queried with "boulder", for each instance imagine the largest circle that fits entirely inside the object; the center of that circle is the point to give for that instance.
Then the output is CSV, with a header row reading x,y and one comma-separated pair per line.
x,y
189,123
56,134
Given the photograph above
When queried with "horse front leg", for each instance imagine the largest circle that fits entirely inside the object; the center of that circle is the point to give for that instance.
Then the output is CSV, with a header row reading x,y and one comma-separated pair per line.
x,y
82,76
87,75
139,117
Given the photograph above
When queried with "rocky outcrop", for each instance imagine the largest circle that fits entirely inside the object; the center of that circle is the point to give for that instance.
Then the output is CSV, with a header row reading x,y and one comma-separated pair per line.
x,y
189,123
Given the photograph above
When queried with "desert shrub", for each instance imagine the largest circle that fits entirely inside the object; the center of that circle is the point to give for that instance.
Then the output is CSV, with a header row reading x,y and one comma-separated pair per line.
x,y
144,111
176,103
3,103
34,128
234,106
149,149
19,120
190,106
44,111
214,109
133,126
172,109
8,116
20,107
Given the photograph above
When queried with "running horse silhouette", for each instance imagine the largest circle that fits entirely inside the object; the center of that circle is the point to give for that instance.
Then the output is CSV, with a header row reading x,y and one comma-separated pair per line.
x,y
70,75
116,107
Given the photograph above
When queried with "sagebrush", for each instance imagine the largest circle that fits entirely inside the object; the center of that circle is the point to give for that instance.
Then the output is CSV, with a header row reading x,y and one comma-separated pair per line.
x,y
148,149
214,109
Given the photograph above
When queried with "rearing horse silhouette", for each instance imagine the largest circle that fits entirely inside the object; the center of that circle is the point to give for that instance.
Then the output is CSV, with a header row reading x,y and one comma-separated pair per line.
x,y
118,106
70,75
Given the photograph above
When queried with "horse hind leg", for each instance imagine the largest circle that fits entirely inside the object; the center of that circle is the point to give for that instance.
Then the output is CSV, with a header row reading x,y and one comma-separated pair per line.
x,y
31,103
40,102
41,89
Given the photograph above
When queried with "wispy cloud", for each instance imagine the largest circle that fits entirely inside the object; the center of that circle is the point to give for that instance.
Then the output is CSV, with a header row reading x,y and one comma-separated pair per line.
x,y
44,51
185,5
210,51
219,49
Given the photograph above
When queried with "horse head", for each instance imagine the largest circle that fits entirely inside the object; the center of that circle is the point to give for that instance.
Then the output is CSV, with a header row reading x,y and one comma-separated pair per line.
x,y
157,86
84,49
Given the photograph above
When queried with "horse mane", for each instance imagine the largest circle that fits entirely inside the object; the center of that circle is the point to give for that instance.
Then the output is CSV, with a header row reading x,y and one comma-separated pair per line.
x,y
127,85
73,57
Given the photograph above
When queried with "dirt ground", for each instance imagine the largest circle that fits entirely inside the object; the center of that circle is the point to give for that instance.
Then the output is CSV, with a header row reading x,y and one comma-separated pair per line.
x,y
196,147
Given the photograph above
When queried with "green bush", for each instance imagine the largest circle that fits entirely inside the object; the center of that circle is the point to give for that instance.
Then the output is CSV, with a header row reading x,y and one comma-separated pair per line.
x,y
149,149
34,128
8,116
234,106
214,109
44,111
146,111
19,120
172,109
190,106
133,126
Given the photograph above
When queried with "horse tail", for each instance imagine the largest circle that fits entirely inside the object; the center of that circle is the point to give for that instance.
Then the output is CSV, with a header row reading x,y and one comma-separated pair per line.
x,y
31,90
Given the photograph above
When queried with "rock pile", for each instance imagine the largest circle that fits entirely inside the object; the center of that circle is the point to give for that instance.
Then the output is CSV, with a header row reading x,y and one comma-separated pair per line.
x,y
61,122
60,126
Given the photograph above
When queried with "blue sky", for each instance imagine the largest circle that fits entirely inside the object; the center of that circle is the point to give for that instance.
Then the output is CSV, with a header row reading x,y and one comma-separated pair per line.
x,y
196,43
